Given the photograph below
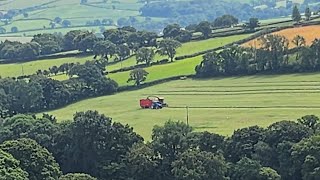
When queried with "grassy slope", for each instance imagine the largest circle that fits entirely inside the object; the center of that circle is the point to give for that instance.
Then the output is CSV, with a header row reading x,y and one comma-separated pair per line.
x,y
70,10
18,4
252,92
15,69
183,67
187,48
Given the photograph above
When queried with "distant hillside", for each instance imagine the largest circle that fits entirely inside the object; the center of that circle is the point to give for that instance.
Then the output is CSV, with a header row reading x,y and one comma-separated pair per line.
x,y
24,18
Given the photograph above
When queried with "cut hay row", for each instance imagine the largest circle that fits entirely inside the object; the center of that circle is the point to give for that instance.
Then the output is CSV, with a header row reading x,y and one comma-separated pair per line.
x,y
252,108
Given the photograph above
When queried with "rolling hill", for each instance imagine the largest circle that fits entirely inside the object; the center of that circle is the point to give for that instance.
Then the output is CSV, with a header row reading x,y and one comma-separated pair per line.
x,y
218,105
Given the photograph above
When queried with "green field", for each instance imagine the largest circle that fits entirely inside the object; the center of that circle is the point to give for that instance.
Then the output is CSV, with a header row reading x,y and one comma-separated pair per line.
x,y
218,105
27,68
183,67
70,10
15,69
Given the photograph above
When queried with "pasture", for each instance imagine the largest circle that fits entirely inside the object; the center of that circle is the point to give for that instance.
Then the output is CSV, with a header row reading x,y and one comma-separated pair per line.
x,y
308,32
15,69
187,48
182,67
78,14
28,68
218,105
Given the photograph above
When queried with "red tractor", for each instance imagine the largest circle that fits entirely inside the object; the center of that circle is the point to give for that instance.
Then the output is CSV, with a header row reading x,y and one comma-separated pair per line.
x,y
153,102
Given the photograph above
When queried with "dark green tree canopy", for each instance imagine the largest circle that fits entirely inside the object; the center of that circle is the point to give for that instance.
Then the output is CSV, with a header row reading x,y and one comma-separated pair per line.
x,y
145,55
199,165
37,161
168,47
10,169
138,76
296,16
94,142
77,176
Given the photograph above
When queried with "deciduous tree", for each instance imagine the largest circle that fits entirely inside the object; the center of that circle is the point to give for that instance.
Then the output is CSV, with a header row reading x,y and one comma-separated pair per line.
x,y
168,47
138,76
145,55
37,161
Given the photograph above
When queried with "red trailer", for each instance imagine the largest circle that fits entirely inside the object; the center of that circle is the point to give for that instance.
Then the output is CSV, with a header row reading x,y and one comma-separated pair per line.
x,y
153,102
146,103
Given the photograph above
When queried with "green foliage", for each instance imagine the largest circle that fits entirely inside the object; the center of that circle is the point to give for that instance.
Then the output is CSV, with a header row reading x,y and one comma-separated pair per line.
x,y
68,43
310,121
85,41
199,165
253,23
205,28
104,49
169,142
77,176
11,50
9,168
267,173
286,131
242,142
296,16
246,169
49,43
123,51
307,13
273,56
141,162
306,157
171,139
168,47
94,144
36,160
209,142
138,76
145,55
225,21
24,126
21,96
174,31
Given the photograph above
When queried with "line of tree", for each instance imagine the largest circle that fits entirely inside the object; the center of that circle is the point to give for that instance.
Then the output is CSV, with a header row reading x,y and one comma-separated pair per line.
x,y
40,93
125,39
120,42
274,56
91,146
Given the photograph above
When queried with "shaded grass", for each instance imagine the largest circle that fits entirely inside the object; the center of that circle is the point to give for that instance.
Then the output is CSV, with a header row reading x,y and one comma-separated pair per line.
x,y
219,113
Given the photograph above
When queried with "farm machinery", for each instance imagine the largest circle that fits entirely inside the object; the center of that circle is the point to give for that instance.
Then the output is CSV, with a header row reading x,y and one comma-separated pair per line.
x,y
153,102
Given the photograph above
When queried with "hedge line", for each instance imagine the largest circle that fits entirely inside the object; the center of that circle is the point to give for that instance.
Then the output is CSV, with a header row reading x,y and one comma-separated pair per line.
x,y
163,61
152,83
254,36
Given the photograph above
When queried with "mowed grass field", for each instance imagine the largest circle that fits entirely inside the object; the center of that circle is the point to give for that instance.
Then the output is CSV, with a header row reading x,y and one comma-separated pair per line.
x,y
308,32
219,105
